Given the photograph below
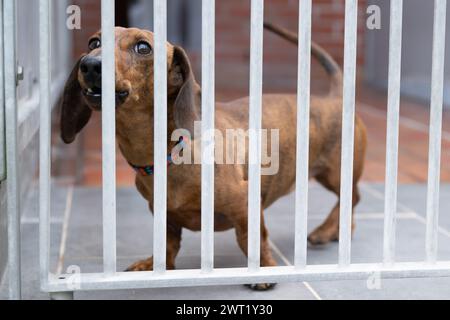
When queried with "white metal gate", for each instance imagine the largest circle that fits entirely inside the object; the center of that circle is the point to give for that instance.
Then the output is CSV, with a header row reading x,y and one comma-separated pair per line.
x,y
208,275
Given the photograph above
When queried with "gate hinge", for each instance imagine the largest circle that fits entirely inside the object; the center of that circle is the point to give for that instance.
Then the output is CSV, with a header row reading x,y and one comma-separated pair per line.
x,y
20,74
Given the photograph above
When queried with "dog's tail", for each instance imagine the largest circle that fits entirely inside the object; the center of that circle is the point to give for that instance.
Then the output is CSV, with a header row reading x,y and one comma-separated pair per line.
x,y
325,59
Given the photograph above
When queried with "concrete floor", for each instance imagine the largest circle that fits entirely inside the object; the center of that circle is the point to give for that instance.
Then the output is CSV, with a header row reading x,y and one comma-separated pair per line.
x,y
76,236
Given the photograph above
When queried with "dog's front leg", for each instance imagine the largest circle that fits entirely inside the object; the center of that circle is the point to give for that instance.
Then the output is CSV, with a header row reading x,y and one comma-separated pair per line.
x,y
241,227
242,237
173,247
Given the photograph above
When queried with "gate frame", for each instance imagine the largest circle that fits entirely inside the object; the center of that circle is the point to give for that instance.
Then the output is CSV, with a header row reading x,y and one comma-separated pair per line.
x,y
11,125
2,102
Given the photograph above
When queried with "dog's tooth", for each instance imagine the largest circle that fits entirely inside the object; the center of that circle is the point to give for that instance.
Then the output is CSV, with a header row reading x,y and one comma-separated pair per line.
x,y
90,90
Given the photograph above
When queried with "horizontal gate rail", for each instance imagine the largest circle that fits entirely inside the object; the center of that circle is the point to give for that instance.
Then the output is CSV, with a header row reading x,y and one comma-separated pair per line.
x,y
253,273
234,276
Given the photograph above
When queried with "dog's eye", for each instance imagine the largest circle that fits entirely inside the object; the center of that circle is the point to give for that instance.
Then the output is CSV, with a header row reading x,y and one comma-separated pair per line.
x,y
143,48
94,44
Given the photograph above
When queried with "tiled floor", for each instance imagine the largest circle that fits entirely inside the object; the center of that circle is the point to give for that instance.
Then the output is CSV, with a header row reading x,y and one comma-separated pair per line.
x,y
76,237
371,106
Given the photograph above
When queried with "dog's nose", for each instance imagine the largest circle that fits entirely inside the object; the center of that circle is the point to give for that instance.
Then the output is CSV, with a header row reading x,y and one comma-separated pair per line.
x,y
91,69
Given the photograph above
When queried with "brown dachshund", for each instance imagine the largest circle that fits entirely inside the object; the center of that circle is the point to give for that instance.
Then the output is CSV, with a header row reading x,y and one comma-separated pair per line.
x,y
134,123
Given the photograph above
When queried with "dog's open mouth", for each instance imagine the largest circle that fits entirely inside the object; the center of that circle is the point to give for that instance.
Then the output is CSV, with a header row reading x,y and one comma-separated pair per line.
x,y
94,97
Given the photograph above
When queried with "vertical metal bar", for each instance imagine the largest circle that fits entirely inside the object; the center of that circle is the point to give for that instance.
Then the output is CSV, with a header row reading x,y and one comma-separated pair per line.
x,y
65,44
303,114
395,61
160,144
2,102
348,126
108,137
44,140
12,160
208,115
434,161
255,123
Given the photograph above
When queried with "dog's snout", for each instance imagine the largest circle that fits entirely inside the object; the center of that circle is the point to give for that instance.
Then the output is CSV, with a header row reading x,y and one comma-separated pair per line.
x,y
91,69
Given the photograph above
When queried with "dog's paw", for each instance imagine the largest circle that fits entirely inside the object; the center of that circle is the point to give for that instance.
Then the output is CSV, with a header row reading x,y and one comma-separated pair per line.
x,y
322,236
143,265
261,286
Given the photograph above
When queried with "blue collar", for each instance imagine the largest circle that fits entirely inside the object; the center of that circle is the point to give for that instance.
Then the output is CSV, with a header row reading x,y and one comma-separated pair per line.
x,y
149,170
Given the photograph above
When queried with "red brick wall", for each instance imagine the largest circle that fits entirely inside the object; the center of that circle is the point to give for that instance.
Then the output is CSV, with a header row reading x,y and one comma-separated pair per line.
x,y
90,23
280,57
233,41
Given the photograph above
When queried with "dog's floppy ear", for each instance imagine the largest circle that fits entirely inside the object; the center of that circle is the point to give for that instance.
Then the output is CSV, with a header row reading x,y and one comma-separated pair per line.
x,y
75,114
188,101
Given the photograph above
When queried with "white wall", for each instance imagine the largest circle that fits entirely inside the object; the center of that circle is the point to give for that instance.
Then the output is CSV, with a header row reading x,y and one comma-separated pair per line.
x,y
417,49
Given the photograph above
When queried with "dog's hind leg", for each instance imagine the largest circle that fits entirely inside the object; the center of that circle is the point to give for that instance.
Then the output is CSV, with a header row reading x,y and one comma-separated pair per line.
x,y
330,178
329,229
173,247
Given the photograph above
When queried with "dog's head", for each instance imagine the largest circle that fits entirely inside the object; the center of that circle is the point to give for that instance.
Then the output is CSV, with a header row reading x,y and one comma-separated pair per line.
x,y
134,83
